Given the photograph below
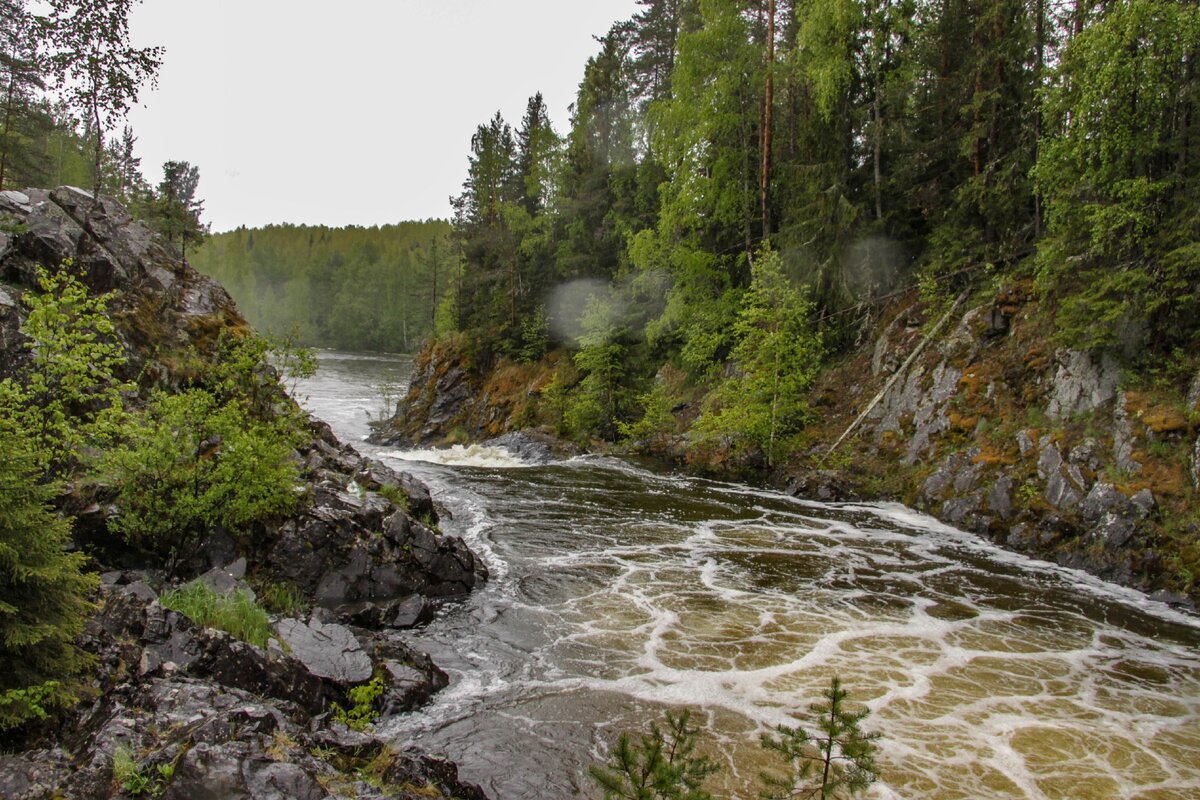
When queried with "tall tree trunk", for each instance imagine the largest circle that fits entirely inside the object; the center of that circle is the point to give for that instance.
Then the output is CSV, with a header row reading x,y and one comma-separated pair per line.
x,y
9,101
1039,33
433,296
768,122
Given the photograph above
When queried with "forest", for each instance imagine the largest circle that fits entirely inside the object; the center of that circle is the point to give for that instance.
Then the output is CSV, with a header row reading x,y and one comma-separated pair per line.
x,y
353,288
741,178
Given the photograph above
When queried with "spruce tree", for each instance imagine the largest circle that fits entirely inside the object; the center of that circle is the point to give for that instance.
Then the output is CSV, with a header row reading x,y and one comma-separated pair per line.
x,y
43,591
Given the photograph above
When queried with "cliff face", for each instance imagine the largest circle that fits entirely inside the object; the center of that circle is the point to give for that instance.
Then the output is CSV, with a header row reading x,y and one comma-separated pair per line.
x,y
1053,452
161,305
992,427
203,714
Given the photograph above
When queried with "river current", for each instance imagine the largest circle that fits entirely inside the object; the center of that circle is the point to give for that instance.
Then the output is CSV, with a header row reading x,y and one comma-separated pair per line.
x,y
619,590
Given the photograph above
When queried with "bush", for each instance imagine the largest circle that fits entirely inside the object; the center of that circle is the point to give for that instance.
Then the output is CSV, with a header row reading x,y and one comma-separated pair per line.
x,y
43,593
189,464
66,398
777,355
839,761
237,614
363,711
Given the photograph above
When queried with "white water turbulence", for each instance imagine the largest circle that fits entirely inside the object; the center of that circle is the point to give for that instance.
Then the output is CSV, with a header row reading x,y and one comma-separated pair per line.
x,y
474,455
619,591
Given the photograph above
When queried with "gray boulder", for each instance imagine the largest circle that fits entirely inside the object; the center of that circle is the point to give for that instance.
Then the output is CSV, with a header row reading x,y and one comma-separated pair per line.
x,y
327,650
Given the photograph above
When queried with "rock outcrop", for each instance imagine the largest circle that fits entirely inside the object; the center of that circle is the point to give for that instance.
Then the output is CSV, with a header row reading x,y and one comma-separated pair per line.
x,y
200,713
195,713
161,306
1043,449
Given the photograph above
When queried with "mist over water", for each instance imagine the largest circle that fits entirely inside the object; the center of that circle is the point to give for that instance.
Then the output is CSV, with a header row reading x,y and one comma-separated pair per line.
x,y
618,590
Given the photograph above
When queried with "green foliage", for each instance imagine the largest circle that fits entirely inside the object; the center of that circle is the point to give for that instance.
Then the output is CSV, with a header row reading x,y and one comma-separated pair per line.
x,y
67,399
99,74
1119,182
190,463
294,362
838,761
657,418
600,400
238,614
135,782
661,765
176,210
43,592
535,336
364,709
396,495
776,357
283,598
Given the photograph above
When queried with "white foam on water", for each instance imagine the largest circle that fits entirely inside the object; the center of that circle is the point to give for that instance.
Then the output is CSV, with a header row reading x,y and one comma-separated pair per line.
x,y
458,455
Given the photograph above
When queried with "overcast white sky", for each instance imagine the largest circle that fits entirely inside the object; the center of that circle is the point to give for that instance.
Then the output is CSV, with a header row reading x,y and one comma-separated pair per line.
x,y
350,111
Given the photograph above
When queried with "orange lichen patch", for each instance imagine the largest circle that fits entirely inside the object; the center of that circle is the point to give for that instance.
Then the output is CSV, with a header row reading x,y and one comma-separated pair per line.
x,y
1164,478
965,423
1165,419
991,455
1036,358
974,384
1158,416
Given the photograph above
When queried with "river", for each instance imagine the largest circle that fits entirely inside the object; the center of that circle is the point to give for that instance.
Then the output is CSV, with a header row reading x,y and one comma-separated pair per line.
x,y
619,590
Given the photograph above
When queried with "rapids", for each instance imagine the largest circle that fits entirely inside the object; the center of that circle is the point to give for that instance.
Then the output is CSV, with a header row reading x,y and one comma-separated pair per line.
x,y
619,590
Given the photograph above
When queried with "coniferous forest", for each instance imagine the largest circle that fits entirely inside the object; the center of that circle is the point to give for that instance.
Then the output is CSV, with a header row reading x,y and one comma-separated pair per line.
x,y
734,167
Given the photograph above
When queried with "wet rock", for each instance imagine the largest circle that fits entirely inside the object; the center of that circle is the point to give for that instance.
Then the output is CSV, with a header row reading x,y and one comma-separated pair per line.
x,y
1173,599
412,611
1195,470
239,771
228,579
1145,502
894,343
33,776
533,446
1081,383
826,485
408,612
1061,492
930,418
1086,454
1123,439
964,511
1102,499
328,651
999,498
1026,444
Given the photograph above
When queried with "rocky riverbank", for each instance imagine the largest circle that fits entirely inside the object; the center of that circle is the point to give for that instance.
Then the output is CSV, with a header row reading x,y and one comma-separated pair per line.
x,y
983,422
177,710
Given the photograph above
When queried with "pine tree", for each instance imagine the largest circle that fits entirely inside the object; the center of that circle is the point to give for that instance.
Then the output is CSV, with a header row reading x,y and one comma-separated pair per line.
x,y
43,591
176,209
662,765
838,761
20,80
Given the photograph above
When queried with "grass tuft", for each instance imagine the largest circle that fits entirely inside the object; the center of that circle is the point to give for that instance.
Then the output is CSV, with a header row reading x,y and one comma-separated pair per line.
x,y
237,614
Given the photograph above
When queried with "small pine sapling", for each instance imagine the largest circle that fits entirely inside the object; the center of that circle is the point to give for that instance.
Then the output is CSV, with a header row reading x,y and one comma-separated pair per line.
x,y
663,765
837,762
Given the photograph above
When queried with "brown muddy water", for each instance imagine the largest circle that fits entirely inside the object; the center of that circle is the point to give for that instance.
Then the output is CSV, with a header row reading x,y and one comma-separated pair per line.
x,y
619,590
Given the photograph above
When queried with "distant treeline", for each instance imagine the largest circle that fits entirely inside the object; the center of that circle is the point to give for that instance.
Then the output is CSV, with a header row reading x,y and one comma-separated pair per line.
x,y
353,288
